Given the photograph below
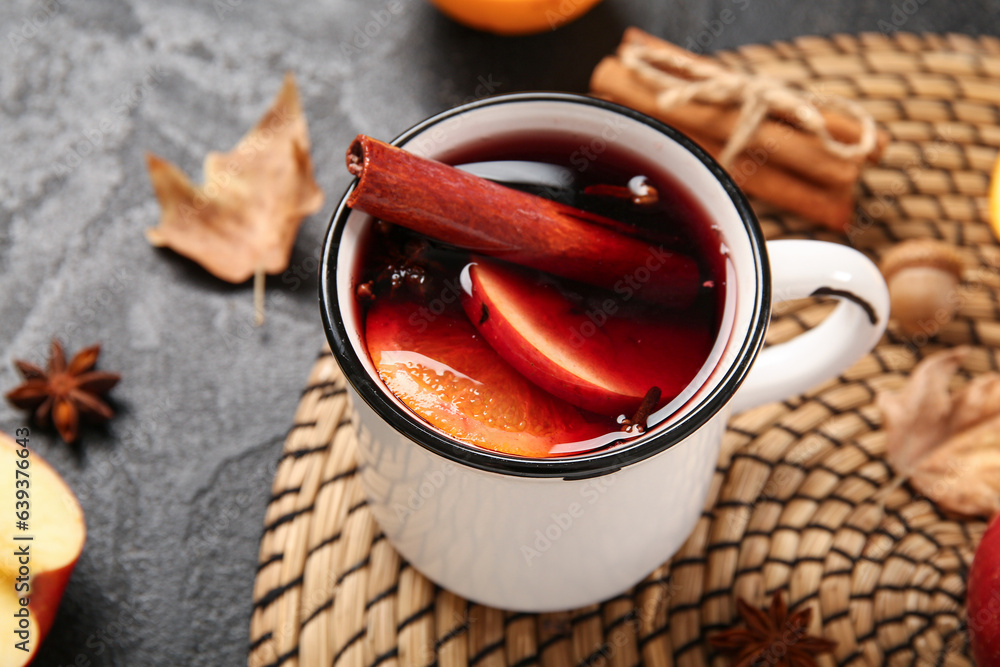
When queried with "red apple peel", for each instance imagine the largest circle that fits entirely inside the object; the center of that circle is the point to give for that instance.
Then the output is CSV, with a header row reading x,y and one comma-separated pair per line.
x,y
983,598
607,369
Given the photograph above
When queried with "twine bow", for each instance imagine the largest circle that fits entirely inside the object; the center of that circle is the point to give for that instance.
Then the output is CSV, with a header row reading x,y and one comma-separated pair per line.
x,y
682,79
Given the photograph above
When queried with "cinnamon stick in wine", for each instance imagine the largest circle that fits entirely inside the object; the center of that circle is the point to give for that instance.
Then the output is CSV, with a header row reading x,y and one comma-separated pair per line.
x,y
453,206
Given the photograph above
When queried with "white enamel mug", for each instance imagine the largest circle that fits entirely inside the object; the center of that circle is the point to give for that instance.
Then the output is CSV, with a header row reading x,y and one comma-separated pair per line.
x,y
552,534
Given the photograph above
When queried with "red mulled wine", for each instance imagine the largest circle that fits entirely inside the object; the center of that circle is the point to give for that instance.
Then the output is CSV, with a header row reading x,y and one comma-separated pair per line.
x,y
527,361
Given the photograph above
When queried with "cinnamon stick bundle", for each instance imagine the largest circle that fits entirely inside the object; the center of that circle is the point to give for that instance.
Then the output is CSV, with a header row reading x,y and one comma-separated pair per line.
x,y
781,163
841,127
470,212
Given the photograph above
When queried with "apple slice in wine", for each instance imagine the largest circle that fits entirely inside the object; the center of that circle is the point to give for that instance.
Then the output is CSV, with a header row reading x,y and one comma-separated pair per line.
x,y
603,355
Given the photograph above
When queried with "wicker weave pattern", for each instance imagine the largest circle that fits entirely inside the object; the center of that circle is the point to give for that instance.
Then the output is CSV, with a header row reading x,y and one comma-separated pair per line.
x,y
802,499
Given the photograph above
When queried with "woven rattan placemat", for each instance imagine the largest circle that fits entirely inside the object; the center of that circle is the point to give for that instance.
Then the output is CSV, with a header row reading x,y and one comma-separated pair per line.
x,y
792,502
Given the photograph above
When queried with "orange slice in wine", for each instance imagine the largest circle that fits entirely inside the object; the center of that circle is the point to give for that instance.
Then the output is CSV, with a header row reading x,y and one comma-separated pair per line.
x,y
443,370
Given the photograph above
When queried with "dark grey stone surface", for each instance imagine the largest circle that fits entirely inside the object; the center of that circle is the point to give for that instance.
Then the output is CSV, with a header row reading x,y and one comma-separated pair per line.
x,y
175,487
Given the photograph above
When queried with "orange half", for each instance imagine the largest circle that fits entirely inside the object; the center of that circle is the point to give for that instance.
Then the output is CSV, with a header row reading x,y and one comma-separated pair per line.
x,y
514,17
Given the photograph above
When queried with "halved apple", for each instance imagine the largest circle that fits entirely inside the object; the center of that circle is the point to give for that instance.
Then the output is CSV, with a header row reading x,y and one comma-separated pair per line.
x,y
33,572
593,357
440,367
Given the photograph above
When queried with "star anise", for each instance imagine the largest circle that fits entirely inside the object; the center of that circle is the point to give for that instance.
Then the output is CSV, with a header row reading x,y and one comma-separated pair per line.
x,y
773,637
65,391
403,262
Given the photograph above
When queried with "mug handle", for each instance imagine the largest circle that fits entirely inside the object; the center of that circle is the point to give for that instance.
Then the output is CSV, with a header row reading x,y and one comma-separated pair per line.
x,y
816,268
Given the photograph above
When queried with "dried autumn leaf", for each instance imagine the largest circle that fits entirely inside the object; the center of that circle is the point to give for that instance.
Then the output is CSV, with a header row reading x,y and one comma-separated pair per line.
x,y
947,444
243,221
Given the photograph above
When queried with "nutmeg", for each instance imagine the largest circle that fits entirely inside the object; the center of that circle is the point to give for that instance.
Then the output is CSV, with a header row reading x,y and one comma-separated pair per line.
x,y
923,277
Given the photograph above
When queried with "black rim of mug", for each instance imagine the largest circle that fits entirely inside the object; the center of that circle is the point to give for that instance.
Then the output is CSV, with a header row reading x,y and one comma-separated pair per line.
x,y
583,466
